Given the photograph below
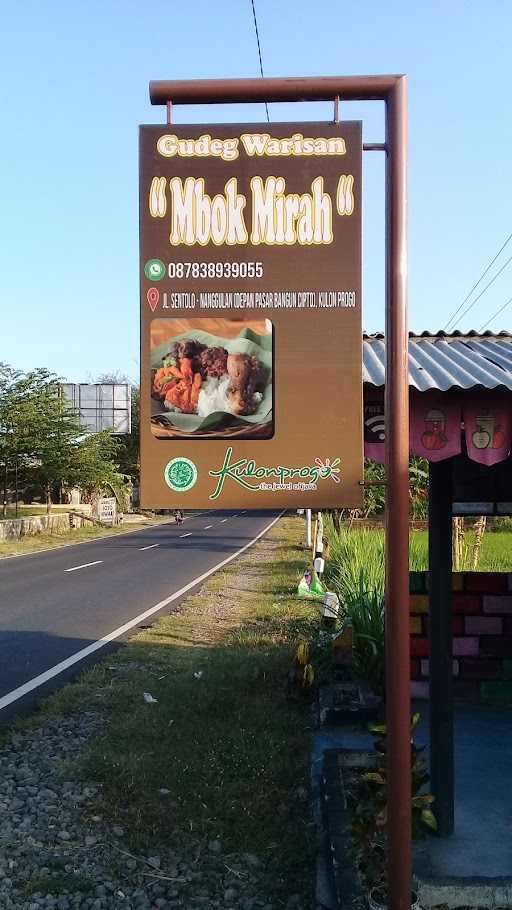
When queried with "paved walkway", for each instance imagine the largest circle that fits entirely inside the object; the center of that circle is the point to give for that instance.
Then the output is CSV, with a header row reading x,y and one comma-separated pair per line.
x,y
482,843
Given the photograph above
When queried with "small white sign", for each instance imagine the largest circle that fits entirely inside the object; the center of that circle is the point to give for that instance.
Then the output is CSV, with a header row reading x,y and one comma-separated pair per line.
x,y
107,510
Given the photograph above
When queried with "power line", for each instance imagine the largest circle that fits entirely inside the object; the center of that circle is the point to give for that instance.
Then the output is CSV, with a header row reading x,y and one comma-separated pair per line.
x,y
482,276
497,313
487,286
259,50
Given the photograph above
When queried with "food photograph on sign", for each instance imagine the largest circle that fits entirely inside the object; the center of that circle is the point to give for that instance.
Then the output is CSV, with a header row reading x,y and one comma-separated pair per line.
x,y
211,378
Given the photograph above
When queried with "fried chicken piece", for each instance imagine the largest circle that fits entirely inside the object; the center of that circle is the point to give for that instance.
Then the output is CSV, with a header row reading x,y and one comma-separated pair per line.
x,y
180,396
213,362
239,370
189,349
186,368
247,376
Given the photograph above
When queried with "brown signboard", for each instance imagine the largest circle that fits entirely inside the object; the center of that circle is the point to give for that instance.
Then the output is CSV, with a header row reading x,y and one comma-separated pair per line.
x,y
251,347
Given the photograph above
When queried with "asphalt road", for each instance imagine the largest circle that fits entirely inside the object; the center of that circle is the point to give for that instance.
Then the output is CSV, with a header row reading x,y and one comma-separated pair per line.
x,y
58,607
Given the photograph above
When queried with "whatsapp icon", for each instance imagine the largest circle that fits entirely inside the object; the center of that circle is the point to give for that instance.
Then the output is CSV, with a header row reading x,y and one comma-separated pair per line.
x,y
154,270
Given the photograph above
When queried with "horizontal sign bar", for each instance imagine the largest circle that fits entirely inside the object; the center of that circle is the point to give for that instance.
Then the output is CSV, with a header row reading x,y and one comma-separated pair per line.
x,y
229,91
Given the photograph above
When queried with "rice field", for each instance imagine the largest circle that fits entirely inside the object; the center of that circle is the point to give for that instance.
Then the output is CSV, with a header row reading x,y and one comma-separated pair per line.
x,y
356,560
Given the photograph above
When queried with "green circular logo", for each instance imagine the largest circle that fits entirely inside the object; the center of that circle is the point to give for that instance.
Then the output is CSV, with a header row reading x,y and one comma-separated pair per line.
x,y
180,474
154,270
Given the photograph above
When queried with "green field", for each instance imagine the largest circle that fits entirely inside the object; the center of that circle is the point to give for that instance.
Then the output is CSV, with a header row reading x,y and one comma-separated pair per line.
x,y
356,559
495,554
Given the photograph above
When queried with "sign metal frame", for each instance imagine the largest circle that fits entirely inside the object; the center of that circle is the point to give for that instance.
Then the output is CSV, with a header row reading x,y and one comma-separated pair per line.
x,y
392,90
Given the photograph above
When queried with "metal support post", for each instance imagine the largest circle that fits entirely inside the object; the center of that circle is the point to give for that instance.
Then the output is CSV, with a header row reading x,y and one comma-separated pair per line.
x,y
440,639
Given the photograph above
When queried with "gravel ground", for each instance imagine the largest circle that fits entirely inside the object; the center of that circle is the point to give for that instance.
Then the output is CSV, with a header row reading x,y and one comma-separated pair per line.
x,y
55,852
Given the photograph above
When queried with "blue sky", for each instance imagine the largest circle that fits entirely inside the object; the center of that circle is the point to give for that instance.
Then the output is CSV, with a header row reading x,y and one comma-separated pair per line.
x,y
74,87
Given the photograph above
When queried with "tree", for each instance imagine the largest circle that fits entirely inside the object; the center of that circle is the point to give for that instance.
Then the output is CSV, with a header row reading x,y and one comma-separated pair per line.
x,y
22,419
39,431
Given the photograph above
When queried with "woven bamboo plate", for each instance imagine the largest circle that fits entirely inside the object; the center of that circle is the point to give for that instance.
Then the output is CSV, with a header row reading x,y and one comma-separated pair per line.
x,y
229,431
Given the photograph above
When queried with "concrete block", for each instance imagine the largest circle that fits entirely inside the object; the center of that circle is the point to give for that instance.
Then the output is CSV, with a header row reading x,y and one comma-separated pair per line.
x,y
493,604
467,604
507,669
466,690
458,625
419,689
463,893
483,625
418,603
457,581
417,582
466,646
486,582
496,645
480,668
425,667
419,647
497,692
415,625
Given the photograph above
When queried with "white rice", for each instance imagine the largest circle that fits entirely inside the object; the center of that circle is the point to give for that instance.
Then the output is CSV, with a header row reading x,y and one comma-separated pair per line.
x,y
214,396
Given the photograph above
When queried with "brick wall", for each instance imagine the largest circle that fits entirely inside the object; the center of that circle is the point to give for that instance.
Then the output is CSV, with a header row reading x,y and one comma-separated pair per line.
x,y
482,635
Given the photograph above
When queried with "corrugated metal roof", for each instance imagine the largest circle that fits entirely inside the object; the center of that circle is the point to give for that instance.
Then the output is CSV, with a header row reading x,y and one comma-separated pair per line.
x,y
441,361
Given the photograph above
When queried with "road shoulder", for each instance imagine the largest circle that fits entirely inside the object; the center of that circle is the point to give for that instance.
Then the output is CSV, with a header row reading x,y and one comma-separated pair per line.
x,y
190,783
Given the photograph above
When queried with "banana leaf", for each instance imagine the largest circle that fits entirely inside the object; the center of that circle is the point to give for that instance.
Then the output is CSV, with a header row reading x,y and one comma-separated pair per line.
x,y
247,342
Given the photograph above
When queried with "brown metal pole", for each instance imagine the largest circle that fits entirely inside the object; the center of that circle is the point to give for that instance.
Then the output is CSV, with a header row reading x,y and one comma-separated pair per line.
x,y
397,505
441,643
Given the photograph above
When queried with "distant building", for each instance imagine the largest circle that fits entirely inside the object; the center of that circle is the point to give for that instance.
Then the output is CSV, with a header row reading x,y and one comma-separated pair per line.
x,y
101,406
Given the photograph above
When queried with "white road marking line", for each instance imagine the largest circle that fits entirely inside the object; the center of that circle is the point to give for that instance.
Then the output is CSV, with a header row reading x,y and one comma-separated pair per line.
x,y
223,520
85,565
188,534
207,527
101,642
76,543
152,547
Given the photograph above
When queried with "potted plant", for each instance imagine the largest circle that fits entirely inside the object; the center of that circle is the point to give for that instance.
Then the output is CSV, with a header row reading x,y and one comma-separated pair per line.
x,y
369,805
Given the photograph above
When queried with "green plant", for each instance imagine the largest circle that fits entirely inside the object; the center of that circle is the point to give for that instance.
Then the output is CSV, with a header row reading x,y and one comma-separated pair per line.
x,y
375,493
365,610
369,805
418,552
418,488
356,558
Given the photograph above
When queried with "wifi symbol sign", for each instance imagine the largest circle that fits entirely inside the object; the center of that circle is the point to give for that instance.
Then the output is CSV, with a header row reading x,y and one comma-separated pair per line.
x,y
375,428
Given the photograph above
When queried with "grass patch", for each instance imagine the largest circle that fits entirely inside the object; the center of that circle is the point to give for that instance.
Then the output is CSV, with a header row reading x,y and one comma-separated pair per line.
x,y
34,509
223,739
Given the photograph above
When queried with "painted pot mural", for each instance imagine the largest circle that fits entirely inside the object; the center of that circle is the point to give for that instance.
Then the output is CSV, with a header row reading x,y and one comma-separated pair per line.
x,y
434,436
